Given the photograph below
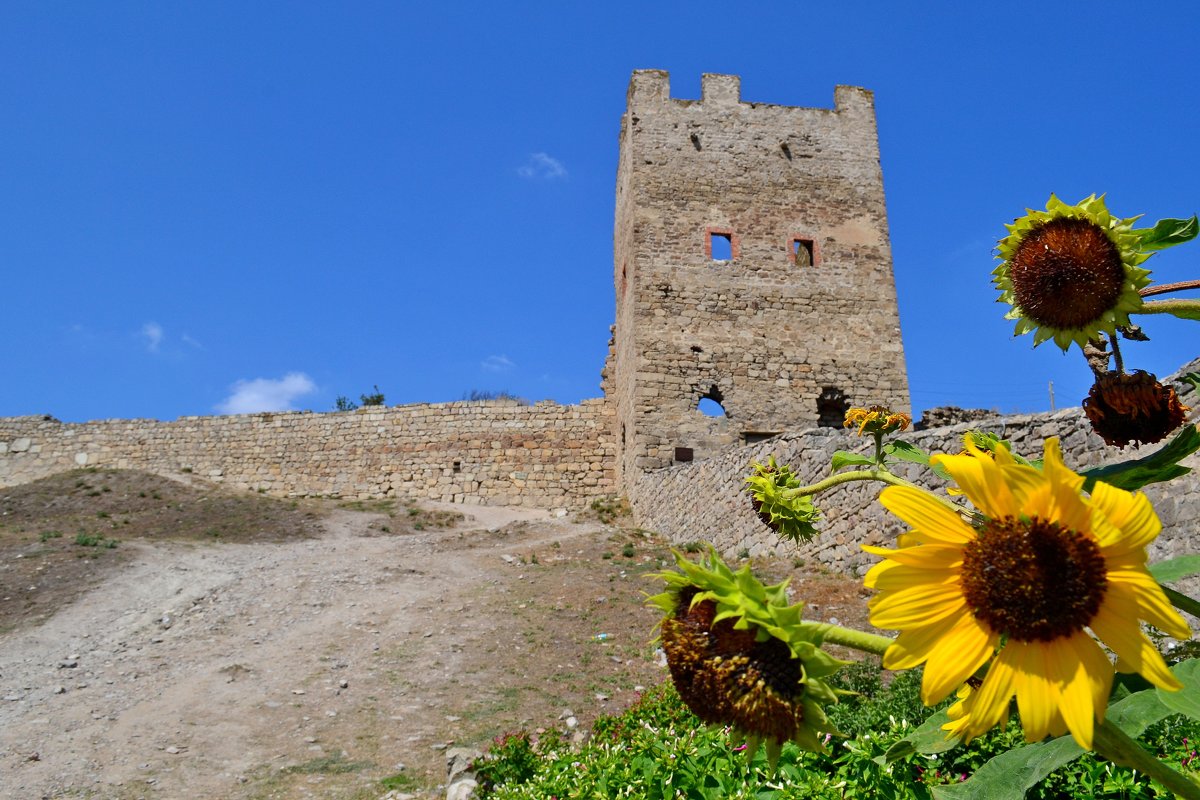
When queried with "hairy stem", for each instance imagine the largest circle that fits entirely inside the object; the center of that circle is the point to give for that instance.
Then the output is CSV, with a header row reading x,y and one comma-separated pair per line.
x,y
1166,288
857,640
1118,362
1188,309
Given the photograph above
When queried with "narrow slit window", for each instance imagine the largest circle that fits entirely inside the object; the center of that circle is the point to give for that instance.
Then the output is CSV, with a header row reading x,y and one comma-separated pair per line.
x,y
803,252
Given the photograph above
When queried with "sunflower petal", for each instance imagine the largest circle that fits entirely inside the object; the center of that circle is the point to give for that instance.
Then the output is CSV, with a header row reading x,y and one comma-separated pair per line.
x,y
1116,625
964,649
929,556
926,514
915,607
992,697
983,483
1036,699
1131,515
1152,603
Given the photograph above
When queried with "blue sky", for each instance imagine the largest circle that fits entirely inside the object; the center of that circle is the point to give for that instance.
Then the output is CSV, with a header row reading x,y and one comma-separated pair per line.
x,y
220,207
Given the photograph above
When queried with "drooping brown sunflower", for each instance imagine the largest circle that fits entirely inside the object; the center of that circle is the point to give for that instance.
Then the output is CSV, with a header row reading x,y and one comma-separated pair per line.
x,y
739,655
1133,408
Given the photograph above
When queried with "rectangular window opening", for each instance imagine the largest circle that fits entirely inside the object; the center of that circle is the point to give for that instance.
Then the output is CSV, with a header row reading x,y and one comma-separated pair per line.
x,y
683,455
803,252
720,246
458,466
752,437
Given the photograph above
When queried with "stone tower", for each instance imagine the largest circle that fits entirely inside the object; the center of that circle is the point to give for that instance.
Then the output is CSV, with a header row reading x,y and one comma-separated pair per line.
x,y
752,268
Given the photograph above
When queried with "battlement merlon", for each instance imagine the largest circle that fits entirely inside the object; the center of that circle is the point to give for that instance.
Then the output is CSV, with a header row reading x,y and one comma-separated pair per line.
x,y
650,88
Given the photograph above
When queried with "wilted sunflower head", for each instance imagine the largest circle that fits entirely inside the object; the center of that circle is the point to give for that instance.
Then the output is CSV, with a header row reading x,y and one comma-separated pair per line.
x,y
1132,408
739,655
790,517
1070,272
876,420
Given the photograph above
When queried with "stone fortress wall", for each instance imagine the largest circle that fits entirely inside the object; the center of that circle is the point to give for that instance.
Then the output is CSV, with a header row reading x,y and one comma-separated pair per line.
x,y
494,452
796,320
706,501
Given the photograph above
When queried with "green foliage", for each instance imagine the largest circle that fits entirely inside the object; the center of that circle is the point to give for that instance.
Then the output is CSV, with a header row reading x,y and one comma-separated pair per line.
x,y
628,550
1178,568
94,540
1161,465
373,399
511,760
343,403
658,749
479,395
1167,233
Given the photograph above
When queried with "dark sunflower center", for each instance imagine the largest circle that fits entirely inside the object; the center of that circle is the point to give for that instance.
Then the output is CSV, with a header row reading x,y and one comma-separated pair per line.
x,y
1066,273
1033,580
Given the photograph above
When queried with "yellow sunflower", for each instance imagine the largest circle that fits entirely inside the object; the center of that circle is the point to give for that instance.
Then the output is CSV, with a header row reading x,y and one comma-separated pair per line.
x,y
1046,565
1071,272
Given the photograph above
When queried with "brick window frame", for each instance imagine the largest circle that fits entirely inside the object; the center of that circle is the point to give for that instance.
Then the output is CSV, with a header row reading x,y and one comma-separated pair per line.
x,y
812,245
735,249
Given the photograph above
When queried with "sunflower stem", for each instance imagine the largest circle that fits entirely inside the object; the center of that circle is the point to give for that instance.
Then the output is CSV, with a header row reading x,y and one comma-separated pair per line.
x,y
881,474
1187,309
1182,601
1118,362
1166,288
858,640
1118,747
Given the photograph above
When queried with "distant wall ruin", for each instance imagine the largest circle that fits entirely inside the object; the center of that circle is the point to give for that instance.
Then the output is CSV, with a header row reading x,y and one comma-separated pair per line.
x,y
493,452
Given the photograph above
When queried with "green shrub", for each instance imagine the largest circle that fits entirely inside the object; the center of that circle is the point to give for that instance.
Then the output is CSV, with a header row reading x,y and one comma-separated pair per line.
x,y
658,749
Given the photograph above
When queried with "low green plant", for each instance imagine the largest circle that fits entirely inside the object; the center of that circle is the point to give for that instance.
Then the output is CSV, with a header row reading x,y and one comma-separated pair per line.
x,y
47,535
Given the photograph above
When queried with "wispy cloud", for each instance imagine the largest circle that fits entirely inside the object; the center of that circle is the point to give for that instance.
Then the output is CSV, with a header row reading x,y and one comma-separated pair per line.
x,y
542,166
188,340
267,394
497,364
152,334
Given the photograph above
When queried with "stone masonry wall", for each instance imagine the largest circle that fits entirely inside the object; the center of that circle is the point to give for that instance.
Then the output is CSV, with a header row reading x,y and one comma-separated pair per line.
x,y
495,452
765,332
706,502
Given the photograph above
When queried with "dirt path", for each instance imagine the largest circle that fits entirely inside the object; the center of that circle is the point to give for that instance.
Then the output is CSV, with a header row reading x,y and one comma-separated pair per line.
x,y
308,668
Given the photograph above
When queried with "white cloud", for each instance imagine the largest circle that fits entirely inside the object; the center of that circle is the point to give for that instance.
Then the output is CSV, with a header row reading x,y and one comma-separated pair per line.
x,y
267,394
188,340
542,166
497,364
152,332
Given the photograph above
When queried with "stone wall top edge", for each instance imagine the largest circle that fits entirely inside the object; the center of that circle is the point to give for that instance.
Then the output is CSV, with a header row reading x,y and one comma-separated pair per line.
x,y
481,405
649,87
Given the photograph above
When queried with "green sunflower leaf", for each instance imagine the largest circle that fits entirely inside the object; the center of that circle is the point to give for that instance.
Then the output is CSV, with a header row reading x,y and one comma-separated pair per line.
x,y
928,739
1010,774
843,458
904,451
1162,465
1187,699
1193,378
1168,232
1174,569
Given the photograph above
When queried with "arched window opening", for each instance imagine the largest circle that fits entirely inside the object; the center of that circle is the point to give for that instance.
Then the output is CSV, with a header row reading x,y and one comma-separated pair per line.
x,y
831,407
711,404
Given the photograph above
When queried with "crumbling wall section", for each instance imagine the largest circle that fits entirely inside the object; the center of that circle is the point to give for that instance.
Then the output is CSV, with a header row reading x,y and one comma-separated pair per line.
x,y
705,501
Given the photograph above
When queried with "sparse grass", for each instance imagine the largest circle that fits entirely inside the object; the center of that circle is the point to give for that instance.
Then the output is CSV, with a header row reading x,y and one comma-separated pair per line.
x,y
327,765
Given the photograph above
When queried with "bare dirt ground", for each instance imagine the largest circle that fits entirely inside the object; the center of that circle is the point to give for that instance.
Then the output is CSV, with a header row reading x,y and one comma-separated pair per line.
x,y
233,646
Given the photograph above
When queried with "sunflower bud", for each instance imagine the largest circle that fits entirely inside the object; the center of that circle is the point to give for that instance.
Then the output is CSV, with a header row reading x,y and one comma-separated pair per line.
x,y
790,517
1132,408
